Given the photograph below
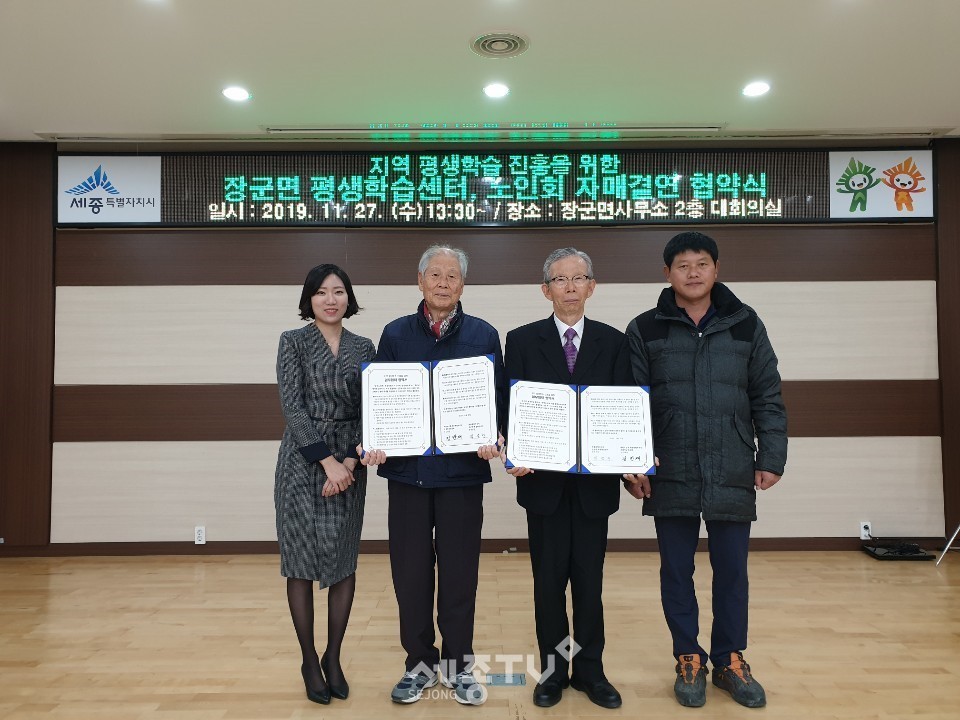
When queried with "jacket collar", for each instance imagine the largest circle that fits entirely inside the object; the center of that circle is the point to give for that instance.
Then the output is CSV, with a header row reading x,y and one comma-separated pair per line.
x,y
454,326
724,301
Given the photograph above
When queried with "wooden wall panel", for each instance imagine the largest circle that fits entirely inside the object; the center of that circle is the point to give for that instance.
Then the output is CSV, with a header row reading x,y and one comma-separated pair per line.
x,y
134,492
382,547
831,484
498,256
99,413
861,408
26,340
228,334
848,330
948,317
157,492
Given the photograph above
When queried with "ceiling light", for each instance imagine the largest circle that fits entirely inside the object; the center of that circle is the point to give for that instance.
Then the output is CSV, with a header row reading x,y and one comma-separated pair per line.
x,y
755,89
496,90
238,94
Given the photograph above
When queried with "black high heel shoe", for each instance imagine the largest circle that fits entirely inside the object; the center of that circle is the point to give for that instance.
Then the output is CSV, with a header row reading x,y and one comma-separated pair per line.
x,y
321,696
340,692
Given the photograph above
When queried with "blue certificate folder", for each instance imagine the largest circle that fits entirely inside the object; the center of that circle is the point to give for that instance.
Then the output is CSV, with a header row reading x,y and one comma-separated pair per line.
x,y
583,429
440,407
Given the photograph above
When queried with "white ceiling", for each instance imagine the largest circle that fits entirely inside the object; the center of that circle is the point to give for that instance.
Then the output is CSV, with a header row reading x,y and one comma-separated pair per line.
x,y
154,69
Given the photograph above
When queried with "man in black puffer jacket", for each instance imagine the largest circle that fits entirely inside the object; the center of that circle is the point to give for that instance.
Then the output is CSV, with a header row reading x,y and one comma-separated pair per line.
x,y
714,387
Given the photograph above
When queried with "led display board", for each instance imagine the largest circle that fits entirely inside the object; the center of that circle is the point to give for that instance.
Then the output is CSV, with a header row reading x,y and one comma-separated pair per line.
x,y
472,188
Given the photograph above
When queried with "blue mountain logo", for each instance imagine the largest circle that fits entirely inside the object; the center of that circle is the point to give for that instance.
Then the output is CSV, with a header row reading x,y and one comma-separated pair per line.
x,y
99,179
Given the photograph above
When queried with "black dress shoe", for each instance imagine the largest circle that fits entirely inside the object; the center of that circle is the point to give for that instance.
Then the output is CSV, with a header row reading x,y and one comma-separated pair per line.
x,y
340,692
549,692
600,692
317,696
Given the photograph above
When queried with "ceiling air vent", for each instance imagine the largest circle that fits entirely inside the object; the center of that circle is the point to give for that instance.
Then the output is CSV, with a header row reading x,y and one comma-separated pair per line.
x,y
500,45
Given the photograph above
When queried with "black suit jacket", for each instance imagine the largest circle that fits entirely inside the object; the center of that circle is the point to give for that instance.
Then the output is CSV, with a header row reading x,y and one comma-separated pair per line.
x,y
535,352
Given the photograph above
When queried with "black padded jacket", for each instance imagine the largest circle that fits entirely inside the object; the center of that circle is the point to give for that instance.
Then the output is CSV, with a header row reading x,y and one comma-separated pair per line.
x,y
716,408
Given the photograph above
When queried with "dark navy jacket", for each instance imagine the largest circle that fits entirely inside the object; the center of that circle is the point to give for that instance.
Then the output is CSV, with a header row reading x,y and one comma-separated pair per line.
x,y
409,339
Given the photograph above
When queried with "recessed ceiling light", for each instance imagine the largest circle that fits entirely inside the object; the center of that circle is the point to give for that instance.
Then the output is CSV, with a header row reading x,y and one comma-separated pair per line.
x,y
755,89
236,93
496,90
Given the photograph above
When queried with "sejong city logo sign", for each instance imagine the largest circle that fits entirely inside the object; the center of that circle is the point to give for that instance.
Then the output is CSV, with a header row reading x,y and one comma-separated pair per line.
x,y
105,190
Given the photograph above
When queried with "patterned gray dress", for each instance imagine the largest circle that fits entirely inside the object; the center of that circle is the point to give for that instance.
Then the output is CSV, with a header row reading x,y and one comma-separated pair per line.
x,y
320,397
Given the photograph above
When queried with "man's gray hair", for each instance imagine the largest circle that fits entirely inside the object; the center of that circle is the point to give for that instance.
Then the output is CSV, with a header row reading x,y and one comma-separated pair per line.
x,y
562,253
433,250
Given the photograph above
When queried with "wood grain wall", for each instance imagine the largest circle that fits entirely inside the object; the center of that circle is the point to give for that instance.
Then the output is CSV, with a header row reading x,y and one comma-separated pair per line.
x,y
863,318
143,390
26,341
948,320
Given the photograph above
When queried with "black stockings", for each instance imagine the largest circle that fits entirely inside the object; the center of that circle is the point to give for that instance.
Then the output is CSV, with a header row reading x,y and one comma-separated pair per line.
x,y
300,600
339,604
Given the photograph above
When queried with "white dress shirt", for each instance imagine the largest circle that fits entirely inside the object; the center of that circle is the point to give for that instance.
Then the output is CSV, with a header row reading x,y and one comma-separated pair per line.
x,y
562,328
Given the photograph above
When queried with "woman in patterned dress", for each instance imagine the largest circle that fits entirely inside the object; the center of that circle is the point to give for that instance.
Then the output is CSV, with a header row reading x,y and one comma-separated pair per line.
x,y
319,491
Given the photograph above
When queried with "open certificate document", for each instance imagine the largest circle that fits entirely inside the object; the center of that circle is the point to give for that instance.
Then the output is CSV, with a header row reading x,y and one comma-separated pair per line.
x,y
580,429
424,408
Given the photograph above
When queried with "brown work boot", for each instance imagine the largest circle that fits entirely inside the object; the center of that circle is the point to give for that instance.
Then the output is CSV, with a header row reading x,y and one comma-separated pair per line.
x,y
691,685
736,679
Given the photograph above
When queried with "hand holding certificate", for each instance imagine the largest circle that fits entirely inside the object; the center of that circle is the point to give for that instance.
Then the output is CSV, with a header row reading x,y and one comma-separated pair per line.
x,y
424,408
586,429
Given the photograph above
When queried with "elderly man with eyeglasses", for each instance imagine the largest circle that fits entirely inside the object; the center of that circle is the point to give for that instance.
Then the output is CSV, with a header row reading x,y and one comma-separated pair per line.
x,y
567,514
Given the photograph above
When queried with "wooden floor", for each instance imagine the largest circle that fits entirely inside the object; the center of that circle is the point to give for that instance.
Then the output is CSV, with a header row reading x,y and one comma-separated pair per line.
x,y
833,635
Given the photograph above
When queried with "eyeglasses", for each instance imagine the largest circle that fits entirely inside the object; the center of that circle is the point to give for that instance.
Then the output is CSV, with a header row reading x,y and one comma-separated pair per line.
x,y
578,280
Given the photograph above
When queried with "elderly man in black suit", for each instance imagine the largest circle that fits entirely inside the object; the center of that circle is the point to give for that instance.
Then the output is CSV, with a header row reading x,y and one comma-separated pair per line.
x,y
567,514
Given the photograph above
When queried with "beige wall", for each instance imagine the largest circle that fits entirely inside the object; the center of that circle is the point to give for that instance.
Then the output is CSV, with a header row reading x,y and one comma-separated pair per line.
x,y
820,331
158,491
